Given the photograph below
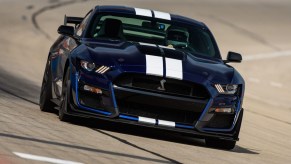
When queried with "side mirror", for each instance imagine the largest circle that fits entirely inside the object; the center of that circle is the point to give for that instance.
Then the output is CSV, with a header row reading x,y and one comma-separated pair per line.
x,y
233,57
66,30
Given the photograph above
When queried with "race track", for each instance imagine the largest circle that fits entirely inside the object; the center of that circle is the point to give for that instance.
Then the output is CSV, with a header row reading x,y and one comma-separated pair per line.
x,y
258,29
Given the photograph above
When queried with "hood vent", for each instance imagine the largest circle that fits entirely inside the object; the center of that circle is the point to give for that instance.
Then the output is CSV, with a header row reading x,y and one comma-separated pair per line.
x,y
174,54
149,50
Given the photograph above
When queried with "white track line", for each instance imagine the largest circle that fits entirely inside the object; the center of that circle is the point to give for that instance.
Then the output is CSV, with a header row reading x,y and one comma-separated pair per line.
x,y
272,83
276,84
261,99
44,159
267,55
254,80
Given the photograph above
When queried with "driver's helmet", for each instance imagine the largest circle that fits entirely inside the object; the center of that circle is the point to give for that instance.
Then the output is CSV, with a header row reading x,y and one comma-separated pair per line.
x,y
177,36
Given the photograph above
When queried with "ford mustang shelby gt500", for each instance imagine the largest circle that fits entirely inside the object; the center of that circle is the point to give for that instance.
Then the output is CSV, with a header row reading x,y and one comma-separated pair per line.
x,y
148,68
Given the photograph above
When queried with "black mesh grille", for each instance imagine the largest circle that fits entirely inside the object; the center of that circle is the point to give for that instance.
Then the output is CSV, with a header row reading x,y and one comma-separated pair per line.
x,y
158,106
172,86
151,111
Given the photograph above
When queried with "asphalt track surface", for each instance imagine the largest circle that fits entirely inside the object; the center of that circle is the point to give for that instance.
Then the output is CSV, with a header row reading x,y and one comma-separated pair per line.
x,y
259,29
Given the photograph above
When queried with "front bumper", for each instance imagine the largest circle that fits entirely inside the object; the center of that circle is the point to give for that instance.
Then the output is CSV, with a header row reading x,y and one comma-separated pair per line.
x,y
109,111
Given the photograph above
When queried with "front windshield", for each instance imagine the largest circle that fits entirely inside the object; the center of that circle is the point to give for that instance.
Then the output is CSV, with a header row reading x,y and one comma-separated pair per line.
x,y
168,33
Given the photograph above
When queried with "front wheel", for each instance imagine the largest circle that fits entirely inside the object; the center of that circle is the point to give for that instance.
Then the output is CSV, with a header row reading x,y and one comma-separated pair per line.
x,y
45,97
65,98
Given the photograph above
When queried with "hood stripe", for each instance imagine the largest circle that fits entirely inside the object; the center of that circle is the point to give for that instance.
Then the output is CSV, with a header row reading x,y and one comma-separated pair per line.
x,y
162,15
174,68
154,65
152,13
143,12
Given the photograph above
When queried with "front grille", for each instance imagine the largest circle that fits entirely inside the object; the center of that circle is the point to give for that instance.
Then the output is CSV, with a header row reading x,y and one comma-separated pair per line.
x,y
172,86
151,111
158,106
222,121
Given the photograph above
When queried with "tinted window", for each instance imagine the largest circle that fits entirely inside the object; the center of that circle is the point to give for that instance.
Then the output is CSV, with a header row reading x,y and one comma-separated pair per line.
x,y
189,38
177,36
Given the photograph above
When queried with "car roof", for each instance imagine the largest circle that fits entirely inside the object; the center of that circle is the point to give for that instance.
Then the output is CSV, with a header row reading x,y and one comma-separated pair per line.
x,y
132,10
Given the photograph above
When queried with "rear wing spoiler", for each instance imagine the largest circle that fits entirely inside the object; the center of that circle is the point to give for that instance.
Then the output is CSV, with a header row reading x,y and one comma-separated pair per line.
x,y
72,20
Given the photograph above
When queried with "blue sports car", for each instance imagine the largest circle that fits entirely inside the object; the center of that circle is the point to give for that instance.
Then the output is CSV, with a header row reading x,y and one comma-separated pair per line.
x,y
147,68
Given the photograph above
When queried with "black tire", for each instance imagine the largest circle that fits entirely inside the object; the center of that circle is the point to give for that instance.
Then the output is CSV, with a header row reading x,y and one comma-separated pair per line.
x,y
238,125
226,144
65,98
45,97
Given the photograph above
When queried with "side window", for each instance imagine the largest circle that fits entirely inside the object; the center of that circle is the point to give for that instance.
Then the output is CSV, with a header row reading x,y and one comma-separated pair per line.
x,y
82,26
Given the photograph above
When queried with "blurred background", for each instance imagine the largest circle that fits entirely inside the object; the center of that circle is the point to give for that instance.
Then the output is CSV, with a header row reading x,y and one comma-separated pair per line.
x,y
258,29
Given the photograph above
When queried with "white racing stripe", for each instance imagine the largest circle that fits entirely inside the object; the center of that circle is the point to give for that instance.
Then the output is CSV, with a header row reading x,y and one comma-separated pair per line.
x,y
166,123
174,68
162,15
143,12
154,65
147,120
44,159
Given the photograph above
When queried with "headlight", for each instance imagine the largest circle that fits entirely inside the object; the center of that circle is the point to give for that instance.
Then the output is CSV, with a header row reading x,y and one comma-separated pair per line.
x,y
87,65
226,89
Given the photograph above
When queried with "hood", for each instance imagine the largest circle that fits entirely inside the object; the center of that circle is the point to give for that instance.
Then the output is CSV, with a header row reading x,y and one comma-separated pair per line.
x,y
161,61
